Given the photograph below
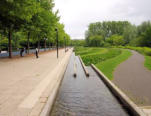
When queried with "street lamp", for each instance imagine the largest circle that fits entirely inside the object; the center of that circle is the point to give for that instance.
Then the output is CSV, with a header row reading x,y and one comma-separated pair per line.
x,y
57,40
0,46
65,43
45,39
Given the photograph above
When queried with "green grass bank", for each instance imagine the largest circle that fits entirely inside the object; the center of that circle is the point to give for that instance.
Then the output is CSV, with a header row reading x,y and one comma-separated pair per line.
x,y
106,59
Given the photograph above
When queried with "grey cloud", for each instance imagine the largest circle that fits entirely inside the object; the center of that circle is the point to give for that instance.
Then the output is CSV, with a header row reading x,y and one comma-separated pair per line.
x,y
76,15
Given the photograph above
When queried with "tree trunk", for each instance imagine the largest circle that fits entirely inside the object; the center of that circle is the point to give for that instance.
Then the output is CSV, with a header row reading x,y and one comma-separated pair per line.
x,y
49,45
10,43
45,45
28,42
38,44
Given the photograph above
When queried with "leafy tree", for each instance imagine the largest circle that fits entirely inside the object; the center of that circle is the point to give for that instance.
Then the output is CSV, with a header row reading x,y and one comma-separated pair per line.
x,y
13,14
130,33
116,40
147,37
96,41
78,42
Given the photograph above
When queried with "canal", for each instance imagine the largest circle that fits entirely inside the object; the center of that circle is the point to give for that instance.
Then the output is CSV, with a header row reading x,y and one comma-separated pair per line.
x,y
85,96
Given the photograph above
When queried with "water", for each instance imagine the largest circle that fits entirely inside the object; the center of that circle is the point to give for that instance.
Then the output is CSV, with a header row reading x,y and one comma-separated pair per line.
x,y
83,96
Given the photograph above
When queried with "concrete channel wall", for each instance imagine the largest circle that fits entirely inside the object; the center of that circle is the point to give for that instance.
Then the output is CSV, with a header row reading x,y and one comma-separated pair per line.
x,y
51,92
84,67
136,111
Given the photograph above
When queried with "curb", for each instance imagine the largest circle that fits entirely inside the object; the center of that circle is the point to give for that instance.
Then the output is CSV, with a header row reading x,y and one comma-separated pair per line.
x,y
49,104
84,67
136,111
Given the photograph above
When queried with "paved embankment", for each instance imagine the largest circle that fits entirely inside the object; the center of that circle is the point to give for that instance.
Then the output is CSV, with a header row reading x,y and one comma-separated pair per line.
x,y
26,83
85,96
134,79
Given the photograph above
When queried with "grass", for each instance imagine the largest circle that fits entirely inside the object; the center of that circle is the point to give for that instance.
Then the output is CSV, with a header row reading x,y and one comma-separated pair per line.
x,y
87,51
108,66
147,63
106,59
97,58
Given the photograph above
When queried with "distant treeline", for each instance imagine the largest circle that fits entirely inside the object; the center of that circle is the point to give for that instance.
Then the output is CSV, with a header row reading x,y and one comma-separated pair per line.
x,y
29,23
116,33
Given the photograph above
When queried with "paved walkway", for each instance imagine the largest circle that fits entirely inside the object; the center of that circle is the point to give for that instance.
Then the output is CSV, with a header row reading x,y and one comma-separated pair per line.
x,y
24,80
134,79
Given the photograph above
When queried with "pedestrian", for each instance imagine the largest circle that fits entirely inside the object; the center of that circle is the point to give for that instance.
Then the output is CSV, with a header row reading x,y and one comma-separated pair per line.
x,y
37,51
21,52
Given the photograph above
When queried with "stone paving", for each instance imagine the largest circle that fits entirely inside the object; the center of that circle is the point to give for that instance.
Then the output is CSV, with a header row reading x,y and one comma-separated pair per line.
x,y
25,81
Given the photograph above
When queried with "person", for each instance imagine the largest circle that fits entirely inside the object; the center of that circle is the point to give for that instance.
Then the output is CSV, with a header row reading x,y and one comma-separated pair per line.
x,y
37,51
21,52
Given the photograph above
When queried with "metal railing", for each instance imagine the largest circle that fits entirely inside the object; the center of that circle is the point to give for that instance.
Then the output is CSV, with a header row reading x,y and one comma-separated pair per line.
x,y
17,53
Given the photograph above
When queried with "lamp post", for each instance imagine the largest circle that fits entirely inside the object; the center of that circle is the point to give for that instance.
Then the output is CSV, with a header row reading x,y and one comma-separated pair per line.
x,y
0,45
65,43
45,39
57,40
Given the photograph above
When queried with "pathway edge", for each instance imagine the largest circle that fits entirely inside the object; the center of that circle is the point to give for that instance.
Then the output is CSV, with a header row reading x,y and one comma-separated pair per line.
x,y
51,99
118,93
84,67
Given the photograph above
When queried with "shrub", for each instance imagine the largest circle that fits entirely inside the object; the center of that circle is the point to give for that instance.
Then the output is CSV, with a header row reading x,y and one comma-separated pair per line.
x,y
96,58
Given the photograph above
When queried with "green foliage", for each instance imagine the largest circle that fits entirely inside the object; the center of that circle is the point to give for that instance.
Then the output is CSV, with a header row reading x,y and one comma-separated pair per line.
x,y
105,59
147,37
87,51
147,63
78,42
4,44
96,41
106,29
23,42
130,33
115,33
115,40
108,66
94,55
142,50
30,21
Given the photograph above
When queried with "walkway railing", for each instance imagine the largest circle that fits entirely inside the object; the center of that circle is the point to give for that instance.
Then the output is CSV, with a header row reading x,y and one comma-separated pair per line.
x,y
17,53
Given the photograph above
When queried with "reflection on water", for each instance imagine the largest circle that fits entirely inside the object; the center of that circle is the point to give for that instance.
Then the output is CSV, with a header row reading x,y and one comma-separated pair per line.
x,y
82,96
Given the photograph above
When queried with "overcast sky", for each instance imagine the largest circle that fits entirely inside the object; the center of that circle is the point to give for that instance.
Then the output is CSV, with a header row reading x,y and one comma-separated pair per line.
x,y
77,14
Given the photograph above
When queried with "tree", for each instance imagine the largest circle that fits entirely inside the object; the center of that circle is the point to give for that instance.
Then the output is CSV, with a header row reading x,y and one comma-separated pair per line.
x,y
130,33
147,37
96,41
116,40
78,42
28,22
13,14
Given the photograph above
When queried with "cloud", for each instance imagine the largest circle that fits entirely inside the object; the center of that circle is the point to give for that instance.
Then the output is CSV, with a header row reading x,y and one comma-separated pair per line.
x,y
77,14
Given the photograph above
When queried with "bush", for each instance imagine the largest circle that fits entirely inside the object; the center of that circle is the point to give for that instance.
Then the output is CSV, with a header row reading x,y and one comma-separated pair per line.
x,y
147,51
142,50
96,58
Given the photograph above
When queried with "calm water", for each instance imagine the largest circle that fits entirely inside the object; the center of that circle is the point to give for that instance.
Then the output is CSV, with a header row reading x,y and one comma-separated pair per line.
x,y
82,96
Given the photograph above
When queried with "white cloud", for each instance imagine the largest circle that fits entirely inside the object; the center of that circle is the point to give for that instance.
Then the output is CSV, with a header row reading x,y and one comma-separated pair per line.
x,y
77,14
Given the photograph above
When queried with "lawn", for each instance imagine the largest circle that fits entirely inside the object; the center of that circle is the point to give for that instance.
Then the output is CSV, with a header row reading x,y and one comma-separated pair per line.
x,y
106,59
108,66
100,57
147,63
